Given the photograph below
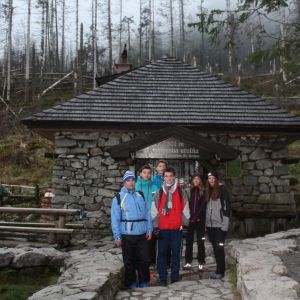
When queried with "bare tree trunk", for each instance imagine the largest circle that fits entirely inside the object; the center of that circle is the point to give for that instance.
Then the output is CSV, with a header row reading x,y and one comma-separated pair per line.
x,y
63,37
46,57
182,33
150,32
153,31
283,40
56,38
172,48
109,36
76,54
140,35
9,48
121,28
27,51
94,42
228,4
51,44
80,87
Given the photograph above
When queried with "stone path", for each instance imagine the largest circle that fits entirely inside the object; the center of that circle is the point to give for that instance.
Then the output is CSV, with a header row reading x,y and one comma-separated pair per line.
x,y
88,274
292,262
193,285
261,273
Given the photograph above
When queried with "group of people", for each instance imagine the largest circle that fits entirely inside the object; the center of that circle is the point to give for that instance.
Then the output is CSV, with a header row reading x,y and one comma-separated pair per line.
x,y
151,215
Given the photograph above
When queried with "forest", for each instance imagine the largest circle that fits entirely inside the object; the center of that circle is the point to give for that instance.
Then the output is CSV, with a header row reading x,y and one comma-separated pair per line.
x,y
53,50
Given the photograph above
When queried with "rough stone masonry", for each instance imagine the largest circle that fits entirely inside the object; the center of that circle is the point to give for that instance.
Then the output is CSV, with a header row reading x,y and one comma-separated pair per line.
x,y
86,176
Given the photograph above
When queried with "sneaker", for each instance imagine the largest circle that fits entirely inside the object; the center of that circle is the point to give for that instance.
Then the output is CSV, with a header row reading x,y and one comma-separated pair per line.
x,y
174,280
200,267
216,276
143,284
187,266
132,285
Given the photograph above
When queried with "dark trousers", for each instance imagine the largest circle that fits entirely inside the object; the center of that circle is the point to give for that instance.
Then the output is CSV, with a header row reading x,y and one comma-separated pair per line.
x,y
199,229
135,253
217,239
152,250
169,239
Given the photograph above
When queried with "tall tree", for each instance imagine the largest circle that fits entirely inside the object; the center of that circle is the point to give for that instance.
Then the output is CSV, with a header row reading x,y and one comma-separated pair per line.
x,y
9,48
62,59
95,8
109,26
76,50
182,31
172,42
27,63
120,28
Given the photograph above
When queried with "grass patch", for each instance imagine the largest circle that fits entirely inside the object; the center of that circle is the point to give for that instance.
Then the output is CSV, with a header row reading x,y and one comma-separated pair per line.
x,y
232,269
22,159
19,285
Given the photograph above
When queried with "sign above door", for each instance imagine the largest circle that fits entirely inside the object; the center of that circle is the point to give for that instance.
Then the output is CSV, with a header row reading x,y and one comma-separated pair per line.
x,y
170,148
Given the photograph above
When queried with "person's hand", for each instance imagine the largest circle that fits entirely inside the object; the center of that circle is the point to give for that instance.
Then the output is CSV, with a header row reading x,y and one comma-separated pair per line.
x,y
184,231
156,232
118,243
148,236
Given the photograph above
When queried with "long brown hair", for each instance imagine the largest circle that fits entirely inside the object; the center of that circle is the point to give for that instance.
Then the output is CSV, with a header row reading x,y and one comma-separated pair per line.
x,y
201,187
212,192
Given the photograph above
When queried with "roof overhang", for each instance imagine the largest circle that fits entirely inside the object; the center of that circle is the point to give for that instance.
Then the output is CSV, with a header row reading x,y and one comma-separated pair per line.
x,y
49,128
206,146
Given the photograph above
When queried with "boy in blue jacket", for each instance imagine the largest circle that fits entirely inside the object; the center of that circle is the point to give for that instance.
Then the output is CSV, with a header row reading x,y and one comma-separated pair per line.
x,y
146,186
132,227
158,178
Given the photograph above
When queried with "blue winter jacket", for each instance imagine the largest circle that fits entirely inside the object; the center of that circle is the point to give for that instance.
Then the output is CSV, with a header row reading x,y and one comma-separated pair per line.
x,y
158,180
148,189
132,207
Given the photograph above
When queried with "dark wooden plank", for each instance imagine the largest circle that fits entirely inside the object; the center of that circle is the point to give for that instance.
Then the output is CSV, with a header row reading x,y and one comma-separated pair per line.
x,y
44,211
36,230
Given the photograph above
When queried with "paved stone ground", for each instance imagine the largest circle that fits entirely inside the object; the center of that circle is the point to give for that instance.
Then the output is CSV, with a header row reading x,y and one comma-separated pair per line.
x,y
292,262
193,285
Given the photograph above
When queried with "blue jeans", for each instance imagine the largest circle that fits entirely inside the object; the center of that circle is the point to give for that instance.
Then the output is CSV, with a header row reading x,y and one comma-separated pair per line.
x,y
169,239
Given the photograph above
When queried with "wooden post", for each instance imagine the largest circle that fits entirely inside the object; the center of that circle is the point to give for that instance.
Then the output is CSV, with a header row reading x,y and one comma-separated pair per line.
x,y
62,239
37,195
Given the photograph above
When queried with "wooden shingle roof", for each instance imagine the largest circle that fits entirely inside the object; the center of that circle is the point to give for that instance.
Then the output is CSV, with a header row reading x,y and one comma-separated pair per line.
x,y
164,93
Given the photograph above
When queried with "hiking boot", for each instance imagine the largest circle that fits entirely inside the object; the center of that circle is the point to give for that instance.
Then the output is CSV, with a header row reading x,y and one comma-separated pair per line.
x,y
216,276
143,284
132,285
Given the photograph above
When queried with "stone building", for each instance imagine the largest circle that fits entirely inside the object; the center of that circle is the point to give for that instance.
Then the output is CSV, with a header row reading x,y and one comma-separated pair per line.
x,y
193,119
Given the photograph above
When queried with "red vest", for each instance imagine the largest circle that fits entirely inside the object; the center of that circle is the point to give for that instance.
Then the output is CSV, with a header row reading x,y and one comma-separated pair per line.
x,y
174,219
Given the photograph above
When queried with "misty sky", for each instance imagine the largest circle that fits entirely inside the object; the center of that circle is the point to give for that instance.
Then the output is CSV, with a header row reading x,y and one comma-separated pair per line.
x,y
130,8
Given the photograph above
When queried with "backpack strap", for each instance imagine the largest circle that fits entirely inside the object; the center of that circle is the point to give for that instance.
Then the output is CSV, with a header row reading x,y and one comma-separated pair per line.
x,y
180,193
142,194
118,197
160,194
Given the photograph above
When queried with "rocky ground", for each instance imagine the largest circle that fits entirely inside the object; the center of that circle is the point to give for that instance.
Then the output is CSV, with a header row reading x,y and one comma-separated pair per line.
x,y
193,285
267,268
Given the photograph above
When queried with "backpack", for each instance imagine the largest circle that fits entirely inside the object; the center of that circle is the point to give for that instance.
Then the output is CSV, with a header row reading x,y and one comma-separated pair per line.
x,y
118,196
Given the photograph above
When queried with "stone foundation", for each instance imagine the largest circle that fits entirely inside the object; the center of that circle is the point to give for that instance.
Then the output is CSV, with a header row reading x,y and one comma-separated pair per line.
x,y
86,176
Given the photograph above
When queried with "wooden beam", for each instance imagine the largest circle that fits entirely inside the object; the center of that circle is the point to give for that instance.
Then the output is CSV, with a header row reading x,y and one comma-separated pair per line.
x,y
36,230
44,211
30,224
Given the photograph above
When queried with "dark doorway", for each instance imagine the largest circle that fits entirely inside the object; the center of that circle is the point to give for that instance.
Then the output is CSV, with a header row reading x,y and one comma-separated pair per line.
x,y
184,168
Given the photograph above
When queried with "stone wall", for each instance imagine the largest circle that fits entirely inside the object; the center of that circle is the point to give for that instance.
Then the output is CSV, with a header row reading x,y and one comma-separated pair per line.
x,y
86,176
261,198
